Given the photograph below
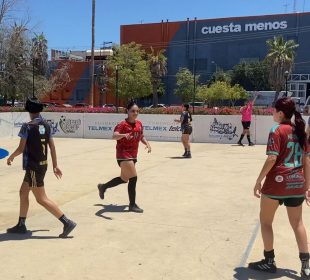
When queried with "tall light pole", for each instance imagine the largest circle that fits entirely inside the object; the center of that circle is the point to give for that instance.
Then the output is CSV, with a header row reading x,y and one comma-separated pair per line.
x,y
194,64
92,64
286,74
116,86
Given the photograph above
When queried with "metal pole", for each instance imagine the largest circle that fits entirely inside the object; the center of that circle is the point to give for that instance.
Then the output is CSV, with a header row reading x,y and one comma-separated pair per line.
x,y
286,85
92,64
33,77
194,65
116,89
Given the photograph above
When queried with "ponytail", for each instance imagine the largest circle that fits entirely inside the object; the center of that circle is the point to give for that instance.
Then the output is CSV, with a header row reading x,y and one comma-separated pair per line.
x,y
300,126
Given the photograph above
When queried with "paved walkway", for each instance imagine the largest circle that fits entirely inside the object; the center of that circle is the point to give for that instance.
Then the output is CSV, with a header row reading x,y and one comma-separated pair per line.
x,y
200,217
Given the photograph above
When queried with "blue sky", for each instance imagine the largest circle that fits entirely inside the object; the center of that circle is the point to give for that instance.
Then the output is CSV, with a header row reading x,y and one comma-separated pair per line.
x,y
66,23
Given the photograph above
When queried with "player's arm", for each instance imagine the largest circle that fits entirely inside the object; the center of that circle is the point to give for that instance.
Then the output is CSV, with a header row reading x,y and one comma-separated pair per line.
x,y
306,169
269,163
20,149
56,169
119,136
147,144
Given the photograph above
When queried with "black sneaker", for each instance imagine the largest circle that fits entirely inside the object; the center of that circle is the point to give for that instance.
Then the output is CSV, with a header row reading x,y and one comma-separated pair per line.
x,y
188,155
305,273
264,266
19,229
67,229
240,144
135,208
101,190
184,154
251,144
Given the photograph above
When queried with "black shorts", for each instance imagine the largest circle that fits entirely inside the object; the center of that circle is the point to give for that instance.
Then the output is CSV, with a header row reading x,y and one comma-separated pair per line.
x,y
291,201
35,178
187,129
121,160
246,125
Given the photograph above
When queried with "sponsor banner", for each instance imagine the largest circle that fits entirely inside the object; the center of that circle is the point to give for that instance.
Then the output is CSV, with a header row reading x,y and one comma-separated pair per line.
x,y
101,125
156,127
6,127
161,127
18,118
68,125
219,129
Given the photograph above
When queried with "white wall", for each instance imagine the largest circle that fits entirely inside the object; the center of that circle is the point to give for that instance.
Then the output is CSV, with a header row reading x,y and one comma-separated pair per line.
x,y
206,128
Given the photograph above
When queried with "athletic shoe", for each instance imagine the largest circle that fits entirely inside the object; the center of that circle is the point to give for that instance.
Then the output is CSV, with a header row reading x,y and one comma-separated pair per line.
x,y
240,144
188,155
251,144
135,208
67,229
19,229
305,273
264,266
184,154
101,190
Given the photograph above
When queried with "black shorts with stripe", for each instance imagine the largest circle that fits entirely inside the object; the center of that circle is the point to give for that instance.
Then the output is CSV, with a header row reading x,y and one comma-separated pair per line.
x,y
35,178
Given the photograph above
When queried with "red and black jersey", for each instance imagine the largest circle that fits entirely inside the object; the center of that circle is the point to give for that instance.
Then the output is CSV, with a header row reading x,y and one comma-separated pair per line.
x,y
286,178
128,149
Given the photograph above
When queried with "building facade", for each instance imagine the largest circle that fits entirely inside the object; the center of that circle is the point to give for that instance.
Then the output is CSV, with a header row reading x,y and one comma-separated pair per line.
x,y
204,46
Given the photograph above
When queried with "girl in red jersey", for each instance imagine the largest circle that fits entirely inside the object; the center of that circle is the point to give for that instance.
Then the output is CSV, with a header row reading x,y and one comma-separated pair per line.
x,y
128,135
287,172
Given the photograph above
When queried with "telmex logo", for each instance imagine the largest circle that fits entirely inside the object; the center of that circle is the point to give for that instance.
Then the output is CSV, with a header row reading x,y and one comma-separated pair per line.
x,y
249,27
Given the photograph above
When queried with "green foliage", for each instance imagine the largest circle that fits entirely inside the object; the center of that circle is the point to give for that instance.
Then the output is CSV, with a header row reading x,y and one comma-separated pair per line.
x,y
220,76
134,72
158,67
218,92
280,59
185,84
251,75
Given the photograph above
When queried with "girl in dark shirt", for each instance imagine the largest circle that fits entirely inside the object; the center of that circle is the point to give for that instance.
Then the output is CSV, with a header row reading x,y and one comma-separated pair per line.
x,y
186,128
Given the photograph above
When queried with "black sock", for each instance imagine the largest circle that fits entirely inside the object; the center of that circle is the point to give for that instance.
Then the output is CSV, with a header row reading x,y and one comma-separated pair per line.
x,y
114,182
64,219
304,258
269,256
241,137
21,221
249,139
132,190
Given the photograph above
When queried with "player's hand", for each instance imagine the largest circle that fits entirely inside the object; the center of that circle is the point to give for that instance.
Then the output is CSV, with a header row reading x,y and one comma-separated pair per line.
x,y
128,136
258,189
148,148
307,195
57,172
10,160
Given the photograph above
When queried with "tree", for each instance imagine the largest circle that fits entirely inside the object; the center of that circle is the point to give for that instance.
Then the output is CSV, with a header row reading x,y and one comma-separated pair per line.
x,y
158,67
5,7
220,76
39,54
251,75
134,71
219,91
280,59
185,84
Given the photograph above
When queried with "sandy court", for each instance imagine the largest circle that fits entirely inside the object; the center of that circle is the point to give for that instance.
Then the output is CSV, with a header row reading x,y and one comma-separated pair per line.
x,y
200,219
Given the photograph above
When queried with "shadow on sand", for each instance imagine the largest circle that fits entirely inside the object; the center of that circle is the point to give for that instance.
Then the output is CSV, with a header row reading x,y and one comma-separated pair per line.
x,y
243,273
28,235
110,209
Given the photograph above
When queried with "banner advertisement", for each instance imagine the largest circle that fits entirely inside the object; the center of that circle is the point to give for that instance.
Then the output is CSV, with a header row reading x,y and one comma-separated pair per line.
x,y
101,125
6,126
68,125
219,129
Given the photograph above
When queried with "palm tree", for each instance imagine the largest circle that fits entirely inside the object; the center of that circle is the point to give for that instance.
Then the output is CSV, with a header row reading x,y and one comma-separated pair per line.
x,y
39,54
158,67
280,59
